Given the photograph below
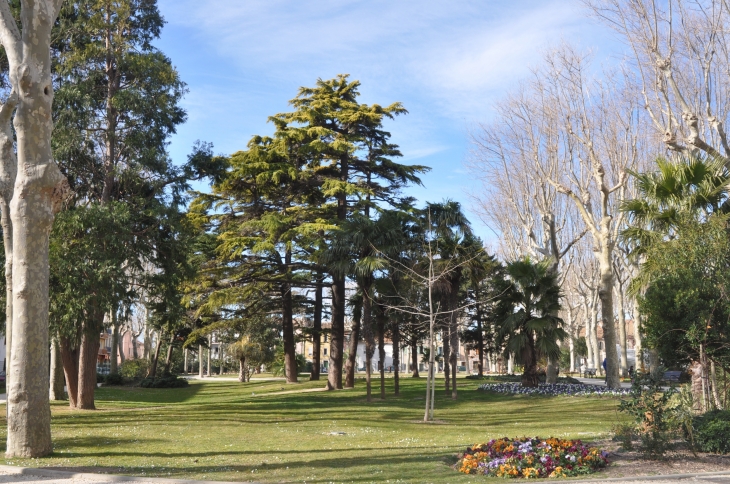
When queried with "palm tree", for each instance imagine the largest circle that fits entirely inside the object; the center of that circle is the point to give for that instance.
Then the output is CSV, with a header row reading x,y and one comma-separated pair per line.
x,y
458,249
687,185
526,306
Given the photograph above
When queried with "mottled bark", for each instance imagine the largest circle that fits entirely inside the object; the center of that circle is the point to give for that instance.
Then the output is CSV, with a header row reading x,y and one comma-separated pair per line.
x,y
56,386
38,193
8,172
624,362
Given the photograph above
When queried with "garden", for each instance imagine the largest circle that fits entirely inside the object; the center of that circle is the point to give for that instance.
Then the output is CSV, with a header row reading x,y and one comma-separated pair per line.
x,y
220,430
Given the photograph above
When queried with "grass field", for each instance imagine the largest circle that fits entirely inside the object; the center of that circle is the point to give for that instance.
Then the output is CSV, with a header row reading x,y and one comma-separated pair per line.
x,y
221,430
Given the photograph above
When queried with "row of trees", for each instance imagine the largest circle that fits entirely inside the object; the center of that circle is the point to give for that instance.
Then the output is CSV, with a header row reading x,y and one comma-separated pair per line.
x,y
570,176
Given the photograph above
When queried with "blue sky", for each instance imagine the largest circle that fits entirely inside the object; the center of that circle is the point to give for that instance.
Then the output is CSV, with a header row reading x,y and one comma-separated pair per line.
x,y
446,61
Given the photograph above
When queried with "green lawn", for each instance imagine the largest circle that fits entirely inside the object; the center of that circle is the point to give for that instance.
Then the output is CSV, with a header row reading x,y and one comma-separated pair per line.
x,y
232,431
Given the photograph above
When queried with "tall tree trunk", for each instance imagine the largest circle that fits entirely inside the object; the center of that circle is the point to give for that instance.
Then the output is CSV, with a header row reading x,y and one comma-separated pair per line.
x,y
70,360
352,353
290,355
168,357
454,331
480,336
380,320
8,172
88,356
185,361
638,350
155,358
220,358
367,331
337,339
121,346
713,382
57,383
200,361
446,344
115,343
395,330
414,360
317,329
624,362
242,369
39,190
605,293
529,375
210,347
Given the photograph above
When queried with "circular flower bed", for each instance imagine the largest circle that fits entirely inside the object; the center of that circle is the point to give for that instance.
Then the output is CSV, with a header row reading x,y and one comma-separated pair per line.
x,y
531,458
573,389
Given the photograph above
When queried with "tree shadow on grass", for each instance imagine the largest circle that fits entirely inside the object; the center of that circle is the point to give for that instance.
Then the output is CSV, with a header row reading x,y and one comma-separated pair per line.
x,y
407,465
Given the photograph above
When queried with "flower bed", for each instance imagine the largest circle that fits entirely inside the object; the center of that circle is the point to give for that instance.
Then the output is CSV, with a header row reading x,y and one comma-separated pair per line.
x,y
573,389
531,458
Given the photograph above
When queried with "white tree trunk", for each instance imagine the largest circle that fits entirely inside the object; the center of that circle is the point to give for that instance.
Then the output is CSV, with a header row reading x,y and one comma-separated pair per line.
x,y
210,346
622,332
39,190
57,381
638,350
200,361
185,362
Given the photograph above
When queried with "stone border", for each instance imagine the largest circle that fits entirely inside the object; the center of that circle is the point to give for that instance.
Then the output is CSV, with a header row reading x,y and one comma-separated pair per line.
x,y
50,472
654,477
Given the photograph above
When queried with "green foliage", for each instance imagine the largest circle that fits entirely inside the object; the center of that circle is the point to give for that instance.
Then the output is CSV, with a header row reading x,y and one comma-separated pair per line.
x,y
712,432
170,381
649,406
683,187
114,379
134,369
277,365
687,299
527,303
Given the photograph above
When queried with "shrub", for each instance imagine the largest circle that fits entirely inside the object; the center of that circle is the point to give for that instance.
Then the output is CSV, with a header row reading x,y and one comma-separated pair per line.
x,y
712,431
650,407
170,381
114,379
100,378
134,369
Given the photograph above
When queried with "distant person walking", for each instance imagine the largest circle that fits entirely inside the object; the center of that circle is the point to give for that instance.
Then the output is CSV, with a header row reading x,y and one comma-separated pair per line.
x,y
604,370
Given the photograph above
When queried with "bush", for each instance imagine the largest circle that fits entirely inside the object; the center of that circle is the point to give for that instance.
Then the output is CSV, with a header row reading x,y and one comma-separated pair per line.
x,y
134,369
114,379
170,381
712,431
650,407
100,378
